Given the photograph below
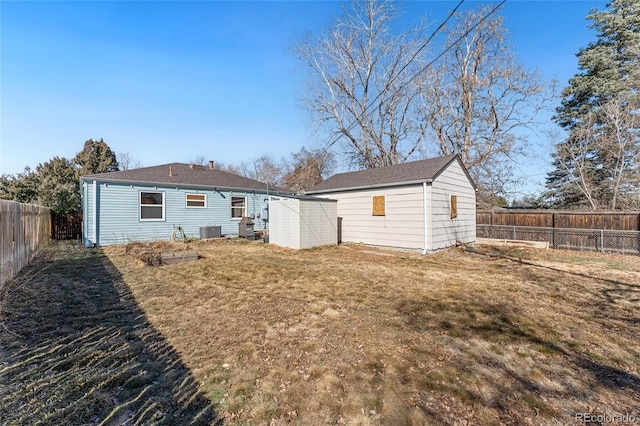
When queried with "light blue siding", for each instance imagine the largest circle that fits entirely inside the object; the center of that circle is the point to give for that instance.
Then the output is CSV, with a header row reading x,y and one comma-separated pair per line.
x,y
118,213
88,219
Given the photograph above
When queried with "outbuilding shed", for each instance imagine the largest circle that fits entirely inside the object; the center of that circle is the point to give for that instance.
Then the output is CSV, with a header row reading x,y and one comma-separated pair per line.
x,y
300,222
427,205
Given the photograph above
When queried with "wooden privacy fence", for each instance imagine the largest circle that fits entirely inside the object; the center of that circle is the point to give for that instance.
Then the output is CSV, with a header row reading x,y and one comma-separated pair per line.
x,y
605,232
618,221
24,230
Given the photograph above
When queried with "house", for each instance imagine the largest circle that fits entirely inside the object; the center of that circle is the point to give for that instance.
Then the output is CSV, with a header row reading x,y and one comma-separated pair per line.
x,y
427,205
147,203
301,222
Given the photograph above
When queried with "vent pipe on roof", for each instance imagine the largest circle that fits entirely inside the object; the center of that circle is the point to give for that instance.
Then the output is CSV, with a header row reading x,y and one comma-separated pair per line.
x,y
211,164
170,171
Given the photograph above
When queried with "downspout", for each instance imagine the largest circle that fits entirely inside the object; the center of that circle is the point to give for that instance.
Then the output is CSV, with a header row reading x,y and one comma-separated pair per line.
x,y
94,209
426,218
83,207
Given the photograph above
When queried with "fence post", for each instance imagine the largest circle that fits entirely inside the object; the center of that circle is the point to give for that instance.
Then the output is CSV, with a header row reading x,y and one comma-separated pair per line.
x,y
553,231
514,232
602,241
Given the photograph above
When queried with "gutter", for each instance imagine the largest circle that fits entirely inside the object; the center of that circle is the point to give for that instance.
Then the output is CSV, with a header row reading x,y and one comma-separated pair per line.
x,y
177,185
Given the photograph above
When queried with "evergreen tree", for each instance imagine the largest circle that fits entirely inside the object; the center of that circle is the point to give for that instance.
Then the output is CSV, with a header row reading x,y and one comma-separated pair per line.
x,y
55,184
96,157
58,186
596,166
23,187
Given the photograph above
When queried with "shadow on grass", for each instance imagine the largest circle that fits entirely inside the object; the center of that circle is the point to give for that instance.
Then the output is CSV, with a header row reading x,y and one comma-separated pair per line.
x,y
608,295
503,328
75,348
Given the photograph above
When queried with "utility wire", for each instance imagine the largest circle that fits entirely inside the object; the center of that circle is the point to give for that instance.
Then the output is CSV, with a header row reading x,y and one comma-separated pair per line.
x,y
364,113
325,149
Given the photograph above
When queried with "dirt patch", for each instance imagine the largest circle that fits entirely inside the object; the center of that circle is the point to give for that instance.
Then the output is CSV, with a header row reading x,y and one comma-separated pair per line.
x,y
150,253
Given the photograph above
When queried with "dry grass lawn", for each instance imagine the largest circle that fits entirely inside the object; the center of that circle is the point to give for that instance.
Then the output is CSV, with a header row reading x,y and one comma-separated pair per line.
x,y
360,336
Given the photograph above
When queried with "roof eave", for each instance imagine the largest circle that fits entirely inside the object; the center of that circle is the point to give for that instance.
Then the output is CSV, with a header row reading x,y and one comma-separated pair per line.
x,y
171,184
379,185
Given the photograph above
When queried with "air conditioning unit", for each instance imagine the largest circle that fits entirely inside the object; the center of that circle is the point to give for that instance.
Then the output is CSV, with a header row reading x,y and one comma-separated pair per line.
x,y
210,232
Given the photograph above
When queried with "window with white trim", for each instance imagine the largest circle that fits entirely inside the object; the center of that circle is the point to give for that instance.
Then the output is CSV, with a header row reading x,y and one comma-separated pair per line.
x,y
238,207
151,206
196,201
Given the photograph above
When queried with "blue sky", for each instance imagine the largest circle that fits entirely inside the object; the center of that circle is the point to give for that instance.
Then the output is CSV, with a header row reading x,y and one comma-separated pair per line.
x,y
171,81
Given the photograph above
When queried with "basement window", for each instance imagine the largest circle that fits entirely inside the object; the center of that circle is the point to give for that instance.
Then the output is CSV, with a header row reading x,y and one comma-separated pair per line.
x,y
238,207
453,204
378,205
151,206
196,200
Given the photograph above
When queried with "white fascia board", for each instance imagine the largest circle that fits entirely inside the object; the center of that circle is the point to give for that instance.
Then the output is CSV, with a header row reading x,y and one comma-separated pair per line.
x,y
382,185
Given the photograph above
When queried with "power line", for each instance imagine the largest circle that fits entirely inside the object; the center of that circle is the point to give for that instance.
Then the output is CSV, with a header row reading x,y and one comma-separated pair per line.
x,y
367,107
325,149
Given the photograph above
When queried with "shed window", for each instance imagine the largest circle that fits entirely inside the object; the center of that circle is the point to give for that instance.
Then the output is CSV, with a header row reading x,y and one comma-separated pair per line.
x,y
152,206
238,206
196,200
454,206
378,205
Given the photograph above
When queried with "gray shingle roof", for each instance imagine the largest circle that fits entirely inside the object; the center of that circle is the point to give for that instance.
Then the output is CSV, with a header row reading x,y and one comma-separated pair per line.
x,y
183,175
411,172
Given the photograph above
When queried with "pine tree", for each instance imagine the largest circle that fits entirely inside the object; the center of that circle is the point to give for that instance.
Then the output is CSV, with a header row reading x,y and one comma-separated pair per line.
x,y
59,188
596,166
23,187
55,183
96,157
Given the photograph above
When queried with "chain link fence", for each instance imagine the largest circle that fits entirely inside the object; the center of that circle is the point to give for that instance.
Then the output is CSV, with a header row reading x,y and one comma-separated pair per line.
x,y
602,240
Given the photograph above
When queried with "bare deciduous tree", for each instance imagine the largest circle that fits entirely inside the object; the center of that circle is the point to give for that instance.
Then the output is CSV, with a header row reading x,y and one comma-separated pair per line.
x,y
264,169
200,160
603,160
127,161
575,166
358,89
477,98
620,141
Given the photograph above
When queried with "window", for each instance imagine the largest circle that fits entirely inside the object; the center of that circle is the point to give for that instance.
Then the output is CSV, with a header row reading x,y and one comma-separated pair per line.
x,y
378,205
454,206
152,206
238,205
196,200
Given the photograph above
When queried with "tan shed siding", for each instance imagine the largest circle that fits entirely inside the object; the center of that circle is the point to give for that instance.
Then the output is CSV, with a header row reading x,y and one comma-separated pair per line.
x,y
445,230
318,223
402,225
284,222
